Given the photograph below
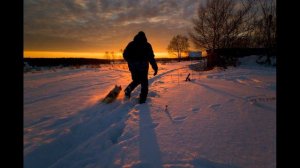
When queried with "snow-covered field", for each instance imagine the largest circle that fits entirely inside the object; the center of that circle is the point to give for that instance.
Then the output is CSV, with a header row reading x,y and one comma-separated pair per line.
x,y
219,119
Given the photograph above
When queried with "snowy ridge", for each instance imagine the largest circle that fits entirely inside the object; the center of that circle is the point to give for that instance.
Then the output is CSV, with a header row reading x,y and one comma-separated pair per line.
x,y
220,119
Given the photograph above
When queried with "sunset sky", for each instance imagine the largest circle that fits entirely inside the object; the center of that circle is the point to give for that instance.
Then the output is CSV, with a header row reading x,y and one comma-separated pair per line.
x,y
71,28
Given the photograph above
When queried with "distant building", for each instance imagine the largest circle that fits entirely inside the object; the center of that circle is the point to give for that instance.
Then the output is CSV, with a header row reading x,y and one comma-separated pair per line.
x,y
195,54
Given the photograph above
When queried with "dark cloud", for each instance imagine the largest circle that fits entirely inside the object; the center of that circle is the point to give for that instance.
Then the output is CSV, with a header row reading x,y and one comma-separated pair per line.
x,y
101,25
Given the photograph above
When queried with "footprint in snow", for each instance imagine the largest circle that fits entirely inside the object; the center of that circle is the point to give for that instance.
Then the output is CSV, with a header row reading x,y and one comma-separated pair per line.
x,y
159,81
43,119
215,106
153,94
181,118
256,81
152,125
194,110
231,100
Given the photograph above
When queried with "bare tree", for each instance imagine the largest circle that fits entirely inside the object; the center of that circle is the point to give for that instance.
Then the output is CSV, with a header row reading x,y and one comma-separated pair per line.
x,y
220,23
112,57
265,33
178,45
107,55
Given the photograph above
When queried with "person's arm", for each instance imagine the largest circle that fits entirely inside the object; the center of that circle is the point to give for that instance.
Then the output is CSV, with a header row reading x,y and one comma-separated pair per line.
x,y
152,60
127,52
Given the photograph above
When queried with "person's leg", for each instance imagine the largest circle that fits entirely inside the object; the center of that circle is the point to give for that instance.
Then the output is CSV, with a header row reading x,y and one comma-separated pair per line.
x,y
144,87
130,88
135,82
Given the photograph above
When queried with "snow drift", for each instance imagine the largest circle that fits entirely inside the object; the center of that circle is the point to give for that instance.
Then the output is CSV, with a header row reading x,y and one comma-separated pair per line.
x,y
218,119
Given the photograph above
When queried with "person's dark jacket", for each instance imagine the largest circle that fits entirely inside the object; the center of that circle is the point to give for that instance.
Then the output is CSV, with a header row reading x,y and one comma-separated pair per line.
x,y
139,54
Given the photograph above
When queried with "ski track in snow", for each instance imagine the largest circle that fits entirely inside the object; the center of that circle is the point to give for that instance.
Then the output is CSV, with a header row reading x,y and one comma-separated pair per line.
x,y
127,134
67,125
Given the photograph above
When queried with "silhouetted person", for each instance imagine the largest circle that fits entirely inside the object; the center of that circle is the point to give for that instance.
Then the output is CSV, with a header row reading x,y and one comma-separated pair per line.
x,y
138,54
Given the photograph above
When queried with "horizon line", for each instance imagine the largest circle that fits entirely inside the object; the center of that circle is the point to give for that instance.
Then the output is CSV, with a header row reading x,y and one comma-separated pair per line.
x,y
97,55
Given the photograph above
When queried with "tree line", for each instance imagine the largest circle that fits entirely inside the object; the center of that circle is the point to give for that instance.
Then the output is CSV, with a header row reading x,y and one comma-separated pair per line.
x,y
222,24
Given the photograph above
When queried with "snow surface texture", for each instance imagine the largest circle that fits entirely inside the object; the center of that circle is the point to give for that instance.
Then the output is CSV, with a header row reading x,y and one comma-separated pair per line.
x,y
219,119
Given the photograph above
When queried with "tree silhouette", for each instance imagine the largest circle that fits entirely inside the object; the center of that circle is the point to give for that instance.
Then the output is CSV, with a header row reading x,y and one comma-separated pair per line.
x,y
266,27
220,23
177,45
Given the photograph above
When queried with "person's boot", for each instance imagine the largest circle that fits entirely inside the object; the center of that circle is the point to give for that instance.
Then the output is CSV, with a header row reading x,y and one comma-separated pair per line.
x,y
142,99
